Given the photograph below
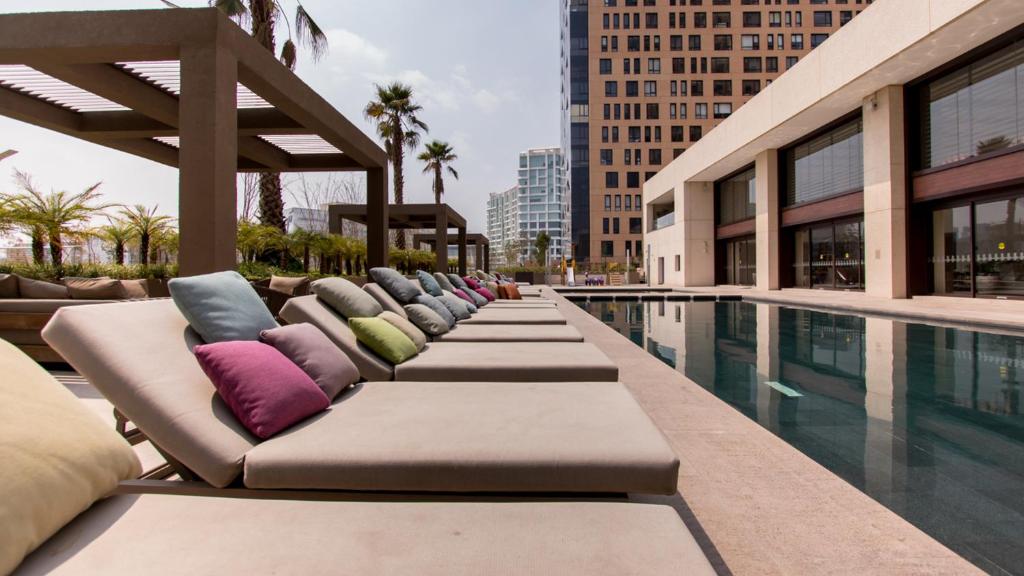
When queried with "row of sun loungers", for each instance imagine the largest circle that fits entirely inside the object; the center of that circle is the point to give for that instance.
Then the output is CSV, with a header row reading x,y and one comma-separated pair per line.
x,y
502,447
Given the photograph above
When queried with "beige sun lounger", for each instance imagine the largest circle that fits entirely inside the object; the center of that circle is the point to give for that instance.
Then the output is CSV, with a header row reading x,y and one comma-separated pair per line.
x,y
408,436
526,315
533,361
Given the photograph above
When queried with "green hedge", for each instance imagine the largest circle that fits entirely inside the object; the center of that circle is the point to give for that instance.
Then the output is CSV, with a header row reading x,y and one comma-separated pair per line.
x,y
119,271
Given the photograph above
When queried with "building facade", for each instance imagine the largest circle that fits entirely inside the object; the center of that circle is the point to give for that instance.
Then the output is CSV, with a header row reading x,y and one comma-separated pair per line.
x,y
538,203
645,79
897,171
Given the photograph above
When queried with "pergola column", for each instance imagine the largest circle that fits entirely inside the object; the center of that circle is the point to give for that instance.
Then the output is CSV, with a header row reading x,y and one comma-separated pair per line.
x,y
478,256
462,251
441,241
208,159
377,219
487,258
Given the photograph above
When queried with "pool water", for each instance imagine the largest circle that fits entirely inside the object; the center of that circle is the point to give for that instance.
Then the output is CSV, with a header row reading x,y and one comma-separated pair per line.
x,y
928,421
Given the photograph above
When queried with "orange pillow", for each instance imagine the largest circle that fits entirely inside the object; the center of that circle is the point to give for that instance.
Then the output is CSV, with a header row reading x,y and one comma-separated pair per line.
x,y
513,292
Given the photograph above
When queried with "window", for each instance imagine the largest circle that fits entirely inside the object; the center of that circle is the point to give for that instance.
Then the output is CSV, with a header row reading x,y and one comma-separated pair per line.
x,y
678,263
723,87
791,61
605,228
651,20
694,42
675,42
751,87
635,225
654,65
604,43
750,42
721,20
700,19
606,66
677,133
654,156
615,226
652,111
618,203
679,67
720,65
633,43
823,19
751,19
634,133
607,249
722,110
607,202
611,179
682,111
771,63
650,88
677,152
629,202
611,89
606,157
696,88
775,19
752,65
615,43
797,41
695,132
700,111
826,165
817,39
845,16
632,88
636,202
632,179
723,42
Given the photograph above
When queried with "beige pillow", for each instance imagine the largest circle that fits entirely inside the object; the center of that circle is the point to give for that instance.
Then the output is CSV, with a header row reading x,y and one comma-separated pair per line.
x,y
58,457
8,286
287,284
38,289
135,289
408,328
95,288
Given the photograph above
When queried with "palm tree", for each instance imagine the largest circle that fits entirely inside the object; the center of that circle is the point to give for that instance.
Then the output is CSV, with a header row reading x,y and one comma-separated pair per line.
x,y
146,224
164,246
438,156
303,241
261,18
397,124
48,217
118,233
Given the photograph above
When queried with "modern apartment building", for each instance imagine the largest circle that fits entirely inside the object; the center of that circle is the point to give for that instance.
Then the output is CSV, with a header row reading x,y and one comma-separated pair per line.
x,y
643,80
539,202
896,170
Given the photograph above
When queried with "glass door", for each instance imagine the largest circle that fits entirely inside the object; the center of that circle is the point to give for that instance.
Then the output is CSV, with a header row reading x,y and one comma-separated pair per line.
x,y
822,257
849,272
951,251
999,248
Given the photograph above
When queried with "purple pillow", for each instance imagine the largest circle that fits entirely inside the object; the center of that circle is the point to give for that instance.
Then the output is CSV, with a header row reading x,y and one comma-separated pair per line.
x,y
263,388
471,282
458,292
311,350
485,293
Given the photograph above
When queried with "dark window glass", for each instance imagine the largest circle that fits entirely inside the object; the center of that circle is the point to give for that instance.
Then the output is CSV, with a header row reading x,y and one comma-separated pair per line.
x,y
635,225
721,20
723,87
607,248
752,65
611,89
822,256
611,179
736,198
999,247
951,250
817,39
827,165
606,66
751,19
723,42
751,87
720,65
823,19
849,261
632,179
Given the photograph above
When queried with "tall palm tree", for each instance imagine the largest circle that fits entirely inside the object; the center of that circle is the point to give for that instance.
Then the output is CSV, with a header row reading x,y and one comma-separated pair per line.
x,y
48,217
261,18
118,233
303,241
397,124
438,157
146,225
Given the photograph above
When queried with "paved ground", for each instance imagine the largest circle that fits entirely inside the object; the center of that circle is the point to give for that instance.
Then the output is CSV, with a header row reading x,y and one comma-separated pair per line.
x,y
757,505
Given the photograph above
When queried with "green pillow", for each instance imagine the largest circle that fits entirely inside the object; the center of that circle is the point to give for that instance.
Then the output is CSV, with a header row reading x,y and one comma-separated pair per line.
x,y
408,328
379,335
221,306
346,298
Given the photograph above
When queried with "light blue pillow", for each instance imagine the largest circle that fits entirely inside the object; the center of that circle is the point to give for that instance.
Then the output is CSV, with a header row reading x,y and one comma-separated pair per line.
x,y
457,306
458,282
437,306
221,307
471,307
479,300
399,287
430,286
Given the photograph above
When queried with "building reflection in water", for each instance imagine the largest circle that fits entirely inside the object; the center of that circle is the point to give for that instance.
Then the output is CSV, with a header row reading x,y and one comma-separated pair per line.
x,y
926,420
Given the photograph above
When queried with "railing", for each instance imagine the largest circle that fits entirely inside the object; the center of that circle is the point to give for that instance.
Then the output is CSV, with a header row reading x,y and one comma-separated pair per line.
x,y
664,221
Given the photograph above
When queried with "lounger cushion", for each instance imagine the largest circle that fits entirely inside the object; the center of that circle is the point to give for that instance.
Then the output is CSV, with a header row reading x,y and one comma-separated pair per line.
x,y
457,281
385,340
493,287
509,362
427,320
142,534
287,284
437,306
443,281
511,333
56,457
478,300
455,305
8,286
265,390
310,349
95,288
517,315
462,294
428,283
386,301
138,288
29,288
139,355
487,294
346,298
221,307
400,287
419,339
473,437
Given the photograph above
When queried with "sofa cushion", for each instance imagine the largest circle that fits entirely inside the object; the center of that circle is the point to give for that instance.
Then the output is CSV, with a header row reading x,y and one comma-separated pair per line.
x,y
487,294
427,320
509,362
478,300
57,457
457,306
400,287
287,284
386,301
95,289
457,281
308,347
517,315
221,307
428,283
346,298
512,333
265,390
419,339
29,288
135,289
443,281
437,306
8,286
379,335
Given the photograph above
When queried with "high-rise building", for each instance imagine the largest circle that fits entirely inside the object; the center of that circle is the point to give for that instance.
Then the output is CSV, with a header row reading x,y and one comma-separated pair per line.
x,y
538,203
644,79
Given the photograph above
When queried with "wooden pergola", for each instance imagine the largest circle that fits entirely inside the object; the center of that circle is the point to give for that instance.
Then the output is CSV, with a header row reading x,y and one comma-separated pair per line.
x,y
481,246
190,89
437,217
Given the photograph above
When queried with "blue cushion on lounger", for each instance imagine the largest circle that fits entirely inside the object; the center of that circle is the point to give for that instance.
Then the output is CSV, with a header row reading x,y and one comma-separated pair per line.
x,y
221,306
430,286
437,306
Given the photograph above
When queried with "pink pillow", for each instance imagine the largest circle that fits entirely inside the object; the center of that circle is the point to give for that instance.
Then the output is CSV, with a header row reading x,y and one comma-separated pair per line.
x,y
461,294
311,350
485,293
263,388
471,282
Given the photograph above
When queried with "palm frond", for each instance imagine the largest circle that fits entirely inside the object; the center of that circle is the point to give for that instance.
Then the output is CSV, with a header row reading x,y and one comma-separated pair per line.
x,y
235,9
169,4
310,34
289,54
453,172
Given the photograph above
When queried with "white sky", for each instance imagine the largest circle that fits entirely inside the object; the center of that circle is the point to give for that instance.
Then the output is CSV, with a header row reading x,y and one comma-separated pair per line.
x,y
486,72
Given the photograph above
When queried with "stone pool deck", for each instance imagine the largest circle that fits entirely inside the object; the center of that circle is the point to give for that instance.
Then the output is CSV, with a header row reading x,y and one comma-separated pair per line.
x,y
757,505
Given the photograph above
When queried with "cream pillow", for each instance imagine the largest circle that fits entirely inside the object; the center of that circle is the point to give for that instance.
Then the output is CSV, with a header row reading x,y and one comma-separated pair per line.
x,y
57,457
408,328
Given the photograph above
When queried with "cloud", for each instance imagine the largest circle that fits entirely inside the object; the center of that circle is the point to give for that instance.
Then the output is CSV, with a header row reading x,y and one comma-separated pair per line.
x,y
486,100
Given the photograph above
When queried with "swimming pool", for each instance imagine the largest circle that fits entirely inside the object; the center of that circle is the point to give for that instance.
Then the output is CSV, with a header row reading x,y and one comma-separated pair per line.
x,y
928,421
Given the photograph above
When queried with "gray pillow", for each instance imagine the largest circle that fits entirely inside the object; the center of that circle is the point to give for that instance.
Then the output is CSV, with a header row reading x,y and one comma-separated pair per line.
x,y
400,287
479,300
457,306
29,288
9,286
443,281
458,282
221,306
426,319
386,300
430,286
438,308
346,298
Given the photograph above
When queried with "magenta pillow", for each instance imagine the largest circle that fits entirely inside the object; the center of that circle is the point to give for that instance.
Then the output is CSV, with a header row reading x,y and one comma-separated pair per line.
x,y
263,388
485,293
461,294
471,282
310,349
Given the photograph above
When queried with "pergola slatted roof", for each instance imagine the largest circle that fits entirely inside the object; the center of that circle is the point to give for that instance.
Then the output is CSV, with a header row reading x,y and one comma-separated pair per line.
x,y
187,88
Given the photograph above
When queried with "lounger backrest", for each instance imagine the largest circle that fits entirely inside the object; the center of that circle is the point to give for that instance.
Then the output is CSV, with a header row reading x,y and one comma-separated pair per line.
x,y
139,355
335,326
386,300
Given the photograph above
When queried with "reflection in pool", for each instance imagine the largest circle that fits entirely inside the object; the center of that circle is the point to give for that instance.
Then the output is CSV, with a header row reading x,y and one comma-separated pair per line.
x,y
928,421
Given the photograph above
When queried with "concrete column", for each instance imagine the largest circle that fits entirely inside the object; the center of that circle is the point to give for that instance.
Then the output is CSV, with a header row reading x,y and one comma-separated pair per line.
x,y
462,252
885,194
885,378
769,365
766,170
695,213
441,242
207,160
377,219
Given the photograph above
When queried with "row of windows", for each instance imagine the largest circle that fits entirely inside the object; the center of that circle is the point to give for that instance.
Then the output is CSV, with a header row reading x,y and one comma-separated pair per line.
x,y
649,3
648,134
718,65
821,19
721,43
631,156
611,225
632,202
608,248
